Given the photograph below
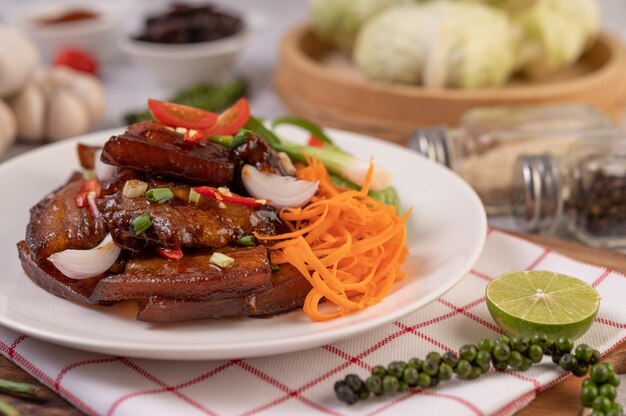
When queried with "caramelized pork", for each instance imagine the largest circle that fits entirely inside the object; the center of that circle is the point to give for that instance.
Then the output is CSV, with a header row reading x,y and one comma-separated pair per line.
x,y
181,224
87,155
152,147
58,223
191,277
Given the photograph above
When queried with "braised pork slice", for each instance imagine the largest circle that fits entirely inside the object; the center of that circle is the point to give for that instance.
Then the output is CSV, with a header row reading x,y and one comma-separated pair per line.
x,y
288,291
191,277
152,147
58,223
178,223
45,275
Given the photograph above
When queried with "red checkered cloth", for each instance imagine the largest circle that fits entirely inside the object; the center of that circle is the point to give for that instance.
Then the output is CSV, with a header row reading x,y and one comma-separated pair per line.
x,y
302,383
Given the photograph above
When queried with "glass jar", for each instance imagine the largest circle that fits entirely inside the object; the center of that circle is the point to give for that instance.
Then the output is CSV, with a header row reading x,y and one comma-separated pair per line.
x,y
583,193
484,148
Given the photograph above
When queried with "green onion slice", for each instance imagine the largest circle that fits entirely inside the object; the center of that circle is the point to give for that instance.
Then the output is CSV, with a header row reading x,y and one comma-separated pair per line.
x,y
274,267
141,223
247,240
89,174
306,125
194,196
159,194
221,260
223,140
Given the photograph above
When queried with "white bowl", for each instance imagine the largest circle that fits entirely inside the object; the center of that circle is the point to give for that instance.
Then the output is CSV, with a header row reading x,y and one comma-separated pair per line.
x,y
96,36
180,65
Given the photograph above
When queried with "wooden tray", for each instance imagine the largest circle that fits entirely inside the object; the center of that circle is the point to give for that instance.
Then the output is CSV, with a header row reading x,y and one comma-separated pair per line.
x,y
320,83
562,399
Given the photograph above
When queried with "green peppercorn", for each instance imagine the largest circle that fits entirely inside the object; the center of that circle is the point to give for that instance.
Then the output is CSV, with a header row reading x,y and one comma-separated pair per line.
x,y
599,373
610,367
583,352
482,358
601,404
445,372
539,339
363,394
403,386
500,365
520,344
526,364
503,339
515,360
551,349
597,413
616,407
423,380
416,362
588,395
613,379
612,412
345,393
475,373
391,384
535,353
379,371
589,382
501,352
374,384
595,357
468,352
556,358
430,367
434,356
410,375
564,345
434,382
580,370
568,362
608,391
463,368
451,359
354,382
396,369
486,345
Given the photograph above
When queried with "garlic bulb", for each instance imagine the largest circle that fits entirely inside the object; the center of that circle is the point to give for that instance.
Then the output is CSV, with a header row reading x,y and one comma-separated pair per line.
x,y
7,127
18,60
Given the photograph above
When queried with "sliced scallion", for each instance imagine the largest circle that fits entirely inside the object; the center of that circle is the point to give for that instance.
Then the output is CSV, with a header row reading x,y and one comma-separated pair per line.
x,y
221,260
194,196
141,223
223,140
159,194
247,240
274,268
242,136
89,174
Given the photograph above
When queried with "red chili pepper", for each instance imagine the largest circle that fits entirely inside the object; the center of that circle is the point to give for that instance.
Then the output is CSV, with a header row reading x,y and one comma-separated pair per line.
x,y
216,195
87,195
315,141
170,253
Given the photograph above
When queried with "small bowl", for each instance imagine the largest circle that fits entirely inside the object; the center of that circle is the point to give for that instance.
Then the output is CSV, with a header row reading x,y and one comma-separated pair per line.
x,y
180,65
96,36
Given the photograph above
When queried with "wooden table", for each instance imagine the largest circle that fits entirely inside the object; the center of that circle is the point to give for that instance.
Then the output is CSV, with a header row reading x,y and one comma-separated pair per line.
x,y
562,399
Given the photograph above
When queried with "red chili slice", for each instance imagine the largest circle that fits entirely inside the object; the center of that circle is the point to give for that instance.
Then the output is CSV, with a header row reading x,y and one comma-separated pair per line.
x,y
87,195
216,195
170,253
315,141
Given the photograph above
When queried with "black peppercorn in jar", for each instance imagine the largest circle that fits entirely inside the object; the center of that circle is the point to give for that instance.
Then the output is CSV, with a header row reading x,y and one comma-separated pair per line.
x,y
583,193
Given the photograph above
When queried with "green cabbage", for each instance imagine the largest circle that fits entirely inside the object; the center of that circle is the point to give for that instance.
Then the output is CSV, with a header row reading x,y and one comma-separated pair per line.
x,y
553,34
338,21
438,44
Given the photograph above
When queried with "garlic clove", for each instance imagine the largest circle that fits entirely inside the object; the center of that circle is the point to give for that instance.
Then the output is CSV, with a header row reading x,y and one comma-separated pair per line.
x,y
8,127
67,116
29,107
18,60
89,90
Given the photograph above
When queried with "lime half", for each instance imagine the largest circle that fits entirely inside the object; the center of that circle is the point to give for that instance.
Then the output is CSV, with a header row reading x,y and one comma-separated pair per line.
x,y
539,302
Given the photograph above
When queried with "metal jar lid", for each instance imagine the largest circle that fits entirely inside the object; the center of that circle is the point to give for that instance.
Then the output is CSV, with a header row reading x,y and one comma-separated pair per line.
x,y
432,143
535,199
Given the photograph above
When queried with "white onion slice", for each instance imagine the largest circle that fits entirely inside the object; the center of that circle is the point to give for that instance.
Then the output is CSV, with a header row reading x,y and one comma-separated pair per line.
x,y
282,191
83,264
102,170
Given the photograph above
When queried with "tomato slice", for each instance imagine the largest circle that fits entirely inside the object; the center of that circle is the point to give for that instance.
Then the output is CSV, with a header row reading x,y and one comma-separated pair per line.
x,y
170,253
178,115
220,196
231,120
315,141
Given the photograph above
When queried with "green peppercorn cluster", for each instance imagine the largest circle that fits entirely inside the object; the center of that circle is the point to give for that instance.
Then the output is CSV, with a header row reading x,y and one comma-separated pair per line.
x,y
516,353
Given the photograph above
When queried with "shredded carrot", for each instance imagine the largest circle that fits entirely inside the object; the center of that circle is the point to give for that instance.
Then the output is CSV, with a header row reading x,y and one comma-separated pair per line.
x,y
348,246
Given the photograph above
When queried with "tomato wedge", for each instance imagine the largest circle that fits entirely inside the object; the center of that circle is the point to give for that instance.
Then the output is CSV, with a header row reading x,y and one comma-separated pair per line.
x,y
178,115
226,196
170,253
231,120
315,141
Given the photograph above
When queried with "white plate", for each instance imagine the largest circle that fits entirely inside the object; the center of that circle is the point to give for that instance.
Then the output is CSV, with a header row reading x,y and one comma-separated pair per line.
x,y
446,234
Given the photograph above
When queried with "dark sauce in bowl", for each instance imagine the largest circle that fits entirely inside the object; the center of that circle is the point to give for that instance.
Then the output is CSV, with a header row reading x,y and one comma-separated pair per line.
x,y
184,24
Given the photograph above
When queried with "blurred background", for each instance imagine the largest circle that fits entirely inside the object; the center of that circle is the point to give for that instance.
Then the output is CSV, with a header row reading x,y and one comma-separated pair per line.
x,y
414,72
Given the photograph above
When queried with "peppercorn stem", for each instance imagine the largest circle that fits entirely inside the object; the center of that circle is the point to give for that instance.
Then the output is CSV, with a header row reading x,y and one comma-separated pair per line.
x,y
8,410
20,389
